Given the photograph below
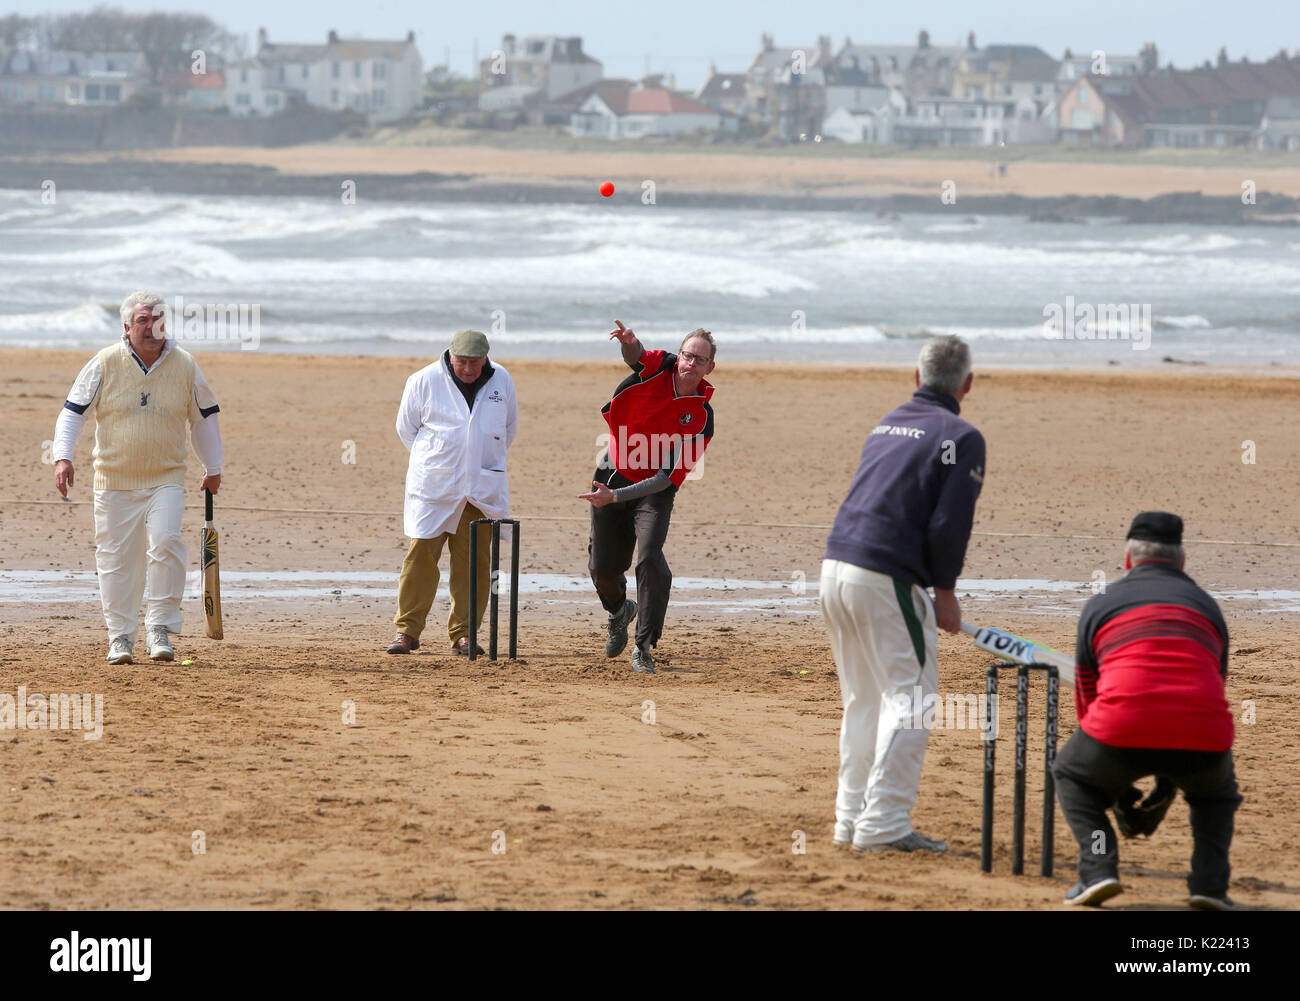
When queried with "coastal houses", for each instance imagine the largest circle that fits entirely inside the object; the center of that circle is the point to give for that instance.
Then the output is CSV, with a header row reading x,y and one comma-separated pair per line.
x,y
528,78
81,79
636,112
382,80
725,93
1233,104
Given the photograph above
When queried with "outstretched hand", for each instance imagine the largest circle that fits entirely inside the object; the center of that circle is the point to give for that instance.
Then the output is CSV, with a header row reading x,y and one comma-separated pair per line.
x,y
622,334
600,495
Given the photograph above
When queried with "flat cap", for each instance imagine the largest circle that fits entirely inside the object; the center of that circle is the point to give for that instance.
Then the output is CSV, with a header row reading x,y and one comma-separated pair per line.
x,y
1157,526
469,344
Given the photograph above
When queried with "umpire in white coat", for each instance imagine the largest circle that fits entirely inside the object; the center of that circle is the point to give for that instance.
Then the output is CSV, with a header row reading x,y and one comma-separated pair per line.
x,y
457,418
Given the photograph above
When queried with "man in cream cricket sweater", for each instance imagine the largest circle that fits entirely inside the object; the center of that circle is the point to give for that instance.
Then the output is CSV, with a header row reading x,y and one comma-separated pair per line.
x,y
143,392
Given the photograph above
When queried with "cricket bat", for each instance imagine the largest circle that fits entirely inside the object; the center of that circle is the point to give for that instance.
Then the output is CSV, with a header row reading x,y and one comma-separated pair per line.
x,y
211,572
1019,650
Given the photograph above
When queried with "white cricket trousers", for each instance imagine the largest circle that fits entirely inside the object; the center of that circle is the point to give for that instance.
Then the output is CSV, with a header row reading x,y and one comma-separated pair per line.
x,y
139,554
883,635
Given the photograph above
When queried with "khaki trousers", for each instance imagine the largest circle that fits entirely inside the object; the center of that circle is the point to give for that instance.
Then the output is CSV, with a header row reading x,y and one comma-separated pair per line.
x,y
419,581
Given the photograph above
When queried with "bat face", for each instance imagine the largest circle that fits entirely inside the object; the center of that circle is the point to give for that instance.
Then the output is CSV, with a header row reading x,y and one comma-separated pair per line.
x,y
1006,645
211,583
1018,650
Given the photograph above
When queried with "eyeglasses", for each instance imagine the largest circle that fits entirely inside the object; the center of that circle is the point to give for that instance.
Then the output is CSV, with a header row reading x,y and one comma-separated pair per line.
x,y
693,359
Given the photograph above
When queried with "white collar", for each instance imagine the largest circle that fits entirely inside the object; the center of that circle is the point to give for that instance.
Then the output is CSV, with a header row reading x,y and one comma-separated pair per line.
x,y
167,347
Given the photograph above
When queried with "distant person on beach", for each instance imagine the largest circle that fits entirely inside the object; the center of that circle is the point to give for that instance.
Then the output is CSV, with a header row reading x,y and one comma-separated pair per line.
x,y
902,529
457,418
144,392
660,422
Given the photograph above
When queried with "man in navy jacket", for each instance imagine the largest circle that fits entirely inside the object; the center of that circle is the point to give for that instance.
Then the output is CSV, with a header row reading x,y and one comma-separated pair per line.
x,y
903,528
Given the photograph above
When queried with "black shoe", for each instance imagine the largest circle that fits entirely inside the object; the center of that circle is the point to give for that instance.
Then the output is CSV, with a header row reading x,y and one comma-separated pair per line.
x,y
642,662
1094,894
617,639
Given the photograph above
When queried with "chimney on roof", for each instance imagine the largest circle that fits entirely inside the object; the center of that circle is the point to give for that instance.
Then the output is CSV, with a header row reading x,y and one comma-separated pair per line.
x,y
261,39
970,41
766,42
333,37
824,49
1223,55
1150,58
508,44
923,39
410,36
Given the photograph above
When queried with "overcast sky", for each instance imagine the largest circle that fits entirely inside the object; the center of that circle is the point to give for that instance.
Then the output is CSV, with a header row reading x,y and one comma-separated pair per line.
x,y
684,36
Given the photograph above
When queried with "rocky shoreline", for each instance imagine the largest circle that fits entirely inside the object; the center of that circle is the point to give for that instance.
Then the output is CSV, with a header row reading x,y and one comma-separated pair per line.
x,y
237,179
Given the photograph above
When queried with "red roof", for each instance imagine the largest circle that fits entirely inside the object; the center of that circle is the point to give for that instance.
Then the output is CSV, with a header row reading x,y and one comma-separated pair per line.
x,y
185,80
656,101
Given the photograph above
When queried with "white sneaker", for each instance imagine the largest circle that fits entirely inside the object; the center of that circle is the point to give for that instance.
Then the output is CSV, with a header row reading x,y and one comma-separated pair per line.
x,y
160,646
843,833
119,650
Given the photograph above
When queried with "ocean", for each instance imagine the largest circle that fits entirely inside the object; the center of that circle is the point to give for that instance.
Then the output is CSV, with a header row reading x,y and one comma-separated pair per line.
x,y
548,281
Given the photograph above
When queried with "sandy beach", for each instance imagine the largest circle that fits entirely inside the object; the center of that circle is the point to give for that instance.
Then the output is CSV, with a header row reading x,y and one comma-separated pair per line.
x,y
742,172
599,809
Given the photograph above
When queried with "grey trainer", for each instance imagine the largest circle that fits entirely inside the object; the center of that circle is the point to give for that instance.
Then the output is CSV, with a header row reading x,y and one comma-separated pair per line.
x,y
1094,894
617,640
119,650
642,662
913,842
1210,902
160,645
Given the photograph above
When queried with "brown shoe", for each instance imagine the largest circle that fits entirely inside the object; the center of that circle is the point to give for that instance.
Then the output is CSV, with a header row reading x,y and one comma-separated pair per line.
x,y
403,644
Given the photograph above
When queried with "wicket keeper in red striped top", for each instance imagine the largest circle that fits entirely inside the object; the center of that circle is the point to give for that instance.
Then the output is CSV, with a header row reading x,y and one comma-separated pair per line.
x,y
1152,656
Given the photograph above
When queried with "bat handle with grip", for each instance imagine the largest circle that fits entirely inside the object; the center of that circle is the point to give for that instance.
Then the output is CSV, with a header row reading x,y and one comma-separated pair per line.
x,y
970,630
207,504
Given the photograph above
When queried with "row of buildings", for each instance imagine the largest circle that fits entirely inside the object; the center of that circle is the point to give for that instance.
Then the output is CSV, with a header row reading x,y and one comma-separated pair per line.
x,y
918,94
381,80
915,95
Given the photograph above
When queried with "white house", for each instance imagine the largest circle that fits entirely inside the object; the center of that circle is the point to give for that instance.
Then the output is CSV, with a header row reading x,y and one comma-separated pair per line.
x,y
642,111
383,80
953,121
545,65
874,127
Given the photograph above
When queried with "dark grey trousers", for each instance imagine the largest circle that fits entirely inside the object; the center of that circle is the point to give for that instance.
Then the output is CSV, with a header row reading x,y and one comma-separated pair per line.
x,y
618,529
1091,775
